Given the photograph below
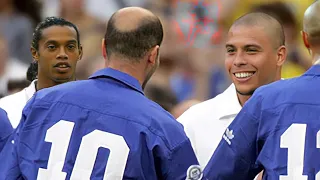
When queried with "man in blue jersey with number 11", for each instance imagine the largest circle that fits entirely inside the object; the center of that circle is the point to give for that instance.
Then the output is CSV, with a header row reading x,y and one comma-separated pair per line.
x,y
278,129
104,127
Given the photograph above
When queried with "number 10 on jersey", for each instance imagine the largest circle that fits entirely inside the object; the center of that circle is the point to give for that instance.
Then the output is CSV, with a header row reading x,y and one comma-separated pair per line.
x,y
60,135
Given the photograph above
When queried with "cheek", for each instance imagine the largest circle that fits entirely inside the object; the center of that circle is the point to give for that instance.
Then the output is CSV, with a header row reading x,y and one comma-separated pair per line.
x,y
45,64
228,63
259,61
266,66
74,58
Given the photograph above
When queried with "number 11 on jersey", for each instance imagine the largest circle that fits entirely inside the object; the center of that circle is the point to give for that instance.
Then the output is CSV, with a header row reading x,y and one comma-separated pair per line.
x,y
296,133
60,135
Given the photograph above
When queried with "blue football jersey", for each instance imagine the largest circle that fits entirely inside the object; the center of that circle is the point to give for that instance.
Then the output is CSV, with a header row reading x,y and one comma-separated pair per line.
x,y
101,128
278,131
5,128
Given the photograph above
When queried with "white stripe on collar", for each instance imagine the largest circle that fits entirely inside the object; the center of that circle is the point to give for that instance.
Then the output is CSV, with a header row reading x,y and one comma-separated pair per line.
x,y
317,62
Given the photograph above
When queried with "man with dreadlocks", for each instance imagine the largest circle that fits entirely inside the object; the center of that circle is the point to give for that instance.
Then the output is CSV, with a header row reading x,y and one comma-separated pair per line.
x,y
56,49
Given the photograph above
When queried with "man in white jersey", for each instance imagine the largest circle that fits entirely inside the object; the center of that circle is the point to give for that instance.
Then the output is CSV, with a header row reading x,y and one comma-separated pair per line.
x,y
254,57
56,50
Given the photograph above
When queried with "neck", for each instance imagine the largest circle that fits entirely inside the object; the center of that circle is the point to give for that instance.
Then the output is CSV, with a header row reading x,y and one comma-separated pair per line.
x,y
46,83
128,68
243,99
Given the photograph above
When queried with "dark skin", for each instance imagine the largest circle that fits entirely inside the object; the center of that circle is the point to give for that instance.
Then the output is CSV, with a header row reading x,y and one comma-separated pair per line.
x,y
57,56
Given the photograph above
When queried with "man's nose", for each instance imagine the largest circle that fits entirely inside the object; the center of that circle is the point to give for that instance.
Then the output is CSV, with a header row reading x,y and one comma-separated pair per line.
x,y
239,60
62,54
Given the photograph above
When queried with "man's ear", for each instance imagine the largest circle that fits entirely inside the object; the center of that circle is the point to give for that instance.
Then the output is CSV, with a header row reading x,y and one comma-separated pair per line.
x,y
154,55
35,54
80,52
305,39
104,49
282,55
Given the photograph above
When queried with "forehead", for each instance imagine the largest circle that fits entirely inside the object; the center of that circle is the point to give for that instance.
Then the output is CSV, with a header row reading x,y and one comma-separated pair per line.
x,y
58,34
242,36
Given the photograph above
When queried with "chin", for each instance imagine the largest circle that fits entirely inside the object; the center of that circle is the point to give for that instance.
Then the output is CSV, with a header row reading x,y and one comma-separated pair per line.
x,y
245,92
62,79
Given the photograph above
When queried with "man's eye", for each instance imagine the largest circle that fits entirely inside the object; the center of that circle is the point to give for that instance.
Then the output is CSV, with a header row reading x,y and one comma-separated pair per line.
x,y
251,50
71,46
230,50
51,47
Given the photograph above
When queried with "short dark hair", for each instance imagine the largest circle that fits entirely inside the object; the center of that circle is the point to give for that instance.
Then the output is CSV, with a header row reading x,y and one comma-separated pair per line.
x,y
49,22
271,24
32,71
133,44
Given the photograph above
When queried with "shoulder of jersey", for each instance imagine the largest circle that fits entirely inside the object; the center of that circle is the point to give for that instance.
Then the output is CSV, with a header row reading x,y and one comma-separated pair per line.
x,y
61,90
274,93
274,87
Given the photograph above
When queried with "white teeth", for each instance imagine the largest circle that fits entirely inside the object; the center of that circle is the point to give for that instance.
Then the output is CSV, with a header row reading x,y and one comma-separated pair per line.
x,y
243,74
63,66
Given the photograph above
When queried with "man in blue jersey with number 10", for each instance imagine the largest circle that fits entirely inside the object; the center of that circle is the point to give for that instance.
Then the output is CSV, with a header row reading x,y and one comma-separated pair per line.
x,y
104,127
278,129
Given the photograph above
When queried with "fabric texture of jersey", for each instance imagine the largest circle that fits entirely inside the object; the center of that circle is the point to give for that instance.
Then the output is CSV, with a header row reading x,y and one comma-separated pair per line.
x,y
5,128
277,130
101,128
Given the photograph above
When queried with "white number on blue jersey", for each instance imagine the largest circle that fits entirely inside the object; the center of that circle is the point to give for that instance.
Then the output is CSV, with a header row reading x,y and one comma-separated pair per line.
x,y
60,134
294,139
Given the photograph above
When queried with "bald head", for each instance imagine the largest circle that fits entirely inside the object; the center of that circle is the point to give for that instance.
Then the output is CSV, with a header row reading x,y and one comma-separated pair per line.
x,y
132,32
311,22
129,19
271,26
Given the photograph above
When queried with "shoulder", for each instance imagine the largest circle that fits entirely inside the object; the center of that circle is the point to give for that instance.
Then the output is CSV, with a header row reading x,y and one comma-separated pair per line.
x,y
3,114
114,101
4,121
160,117
56,93
274,93
268,97
5,126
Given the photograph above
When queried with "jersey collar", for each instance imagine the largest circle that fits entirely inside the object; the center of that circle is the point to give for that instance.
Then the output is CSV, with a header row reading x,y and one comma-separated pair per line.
x,y
120,76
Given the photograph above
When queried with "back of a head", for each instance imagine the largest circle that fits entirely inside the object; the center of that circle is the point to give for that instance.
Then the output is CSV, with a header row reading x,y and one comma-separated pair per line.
x,y
311,23
271,26
132,32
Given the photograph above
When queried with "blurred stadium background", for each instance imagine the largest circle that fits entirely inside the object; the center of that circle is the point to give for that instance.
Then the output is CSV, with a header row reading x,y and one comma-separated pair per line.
x,y
192,55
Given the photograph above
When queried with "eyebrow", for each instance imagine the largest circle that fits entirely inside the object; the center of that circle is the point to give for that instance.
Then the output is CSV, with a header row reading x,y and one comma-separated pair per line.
x,y
252,45
230,45
56,42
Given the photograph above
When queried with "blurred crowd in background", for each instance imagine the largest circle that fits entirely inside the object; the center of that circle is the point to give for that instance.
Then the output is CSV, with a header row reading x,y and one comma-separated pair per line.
x,y
192,54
